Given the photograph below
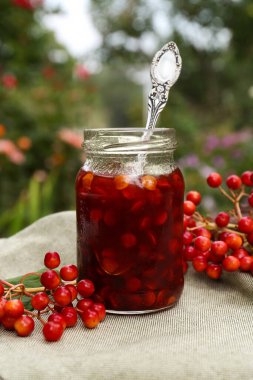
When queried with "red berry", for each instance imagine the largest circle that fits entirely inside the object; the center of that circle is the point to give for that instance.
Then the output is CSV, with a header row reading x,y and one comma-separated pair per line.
x,y
191,222
189,208
234,182
185,266
72,290
70,315
231,264
193,196
246,263
189,253
201,231
240,253
1,289
53,331
234,241
85,288
50,279
202,243
14,308
128,240
2,304
133,284
247,178
90,318
52,260
222,219
250,200
8,322
40,301
187,238
199,263
84,304
62,296
58,318
24,325
250,238
214,271
219,247
245,224
100,309
214,180
223,235
69,272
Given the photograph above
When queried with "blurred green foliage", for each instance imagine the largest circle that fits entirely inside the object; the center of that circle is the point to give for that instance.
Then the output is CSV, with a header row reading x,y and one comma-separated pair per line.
x,y
47,97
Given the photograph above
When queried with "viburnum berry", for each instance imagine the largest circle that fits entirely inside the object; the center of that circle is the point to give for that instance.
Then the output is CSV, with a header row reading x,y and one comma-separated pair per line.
x,y
84,304
52,260
189,208
1,289
245,224
250,200
189,252
194,197
69,272
100,309
247,178
214,180
246,263
8,322
14,308
58,318
250,238
2,304
187,238
85,288
231,264
234,182
72,290
240,253
201,231
202,243
40,301
70,315
62,296
53,331
214,271
234,241
199,263
222,219
219,248
90,318
24,325
50,279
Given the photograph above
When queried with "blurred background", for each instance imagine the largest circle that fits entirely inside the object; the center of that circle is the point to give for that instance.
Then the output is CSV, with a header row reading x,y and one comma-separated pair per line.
x,y
68,65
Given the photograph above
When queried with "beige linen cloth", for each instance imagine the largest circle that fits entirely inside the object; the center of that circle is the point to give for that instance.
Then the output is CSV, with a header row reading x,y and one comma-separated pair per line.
x,y
208,335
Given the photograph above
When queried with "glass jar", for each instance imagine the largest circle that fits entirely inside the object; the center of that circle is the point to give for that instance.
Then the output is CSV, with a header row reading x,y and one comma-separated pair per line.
x,y
129,206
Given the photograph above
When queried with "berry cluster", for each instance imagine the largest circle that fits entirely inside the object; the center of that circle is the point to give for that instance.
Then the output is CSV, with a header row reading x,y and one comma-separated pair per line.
x,y
60,298
226,241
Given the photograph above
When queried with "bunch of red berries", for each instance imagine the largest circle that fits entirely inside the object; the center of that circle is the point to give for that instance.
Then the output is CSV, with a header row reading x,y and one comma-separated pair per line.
x,y
60,298
226,241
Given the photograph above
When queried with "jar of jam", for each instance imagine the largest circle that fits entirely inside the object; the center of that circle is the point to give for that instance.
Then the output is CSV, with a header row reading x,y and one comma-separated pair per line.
x,y
129,207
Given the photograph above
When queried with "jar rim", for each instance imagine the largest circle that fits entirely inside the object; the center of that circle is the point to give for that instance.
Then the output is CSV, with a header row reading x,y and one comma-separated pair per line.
x,y
129,140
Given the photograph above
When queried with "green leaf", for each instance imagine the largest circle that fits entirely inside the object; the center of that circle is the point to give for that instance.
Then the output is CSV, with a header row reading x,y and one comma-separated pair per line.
x,y
32,281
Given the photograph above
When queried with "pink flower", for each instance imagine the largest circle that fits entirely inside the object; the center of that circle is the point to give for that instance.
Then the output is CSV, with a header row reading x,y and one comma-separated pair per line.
x,y
9,149
9,81
81,72
70,137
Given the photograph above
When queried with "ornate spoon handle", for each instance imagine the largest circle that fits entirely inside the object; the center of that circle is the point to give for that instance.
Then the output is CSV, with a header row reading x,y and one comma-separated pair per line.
x,y
165,69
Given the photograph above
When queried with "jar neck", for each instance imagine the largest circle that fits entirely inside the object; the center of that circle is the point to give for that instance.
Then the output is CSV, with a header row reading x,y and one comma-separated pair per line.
x,y
111,165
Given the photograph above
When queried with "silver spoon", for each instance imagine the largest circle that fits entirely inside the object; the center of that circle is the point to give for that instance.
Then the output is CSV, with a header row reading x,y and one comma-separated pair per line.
x,y
165,69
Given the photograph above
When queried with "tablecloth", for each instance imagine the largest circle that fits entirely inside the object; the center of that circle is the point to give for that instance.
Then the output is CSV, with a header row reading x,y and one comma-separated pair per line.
x,y
208,335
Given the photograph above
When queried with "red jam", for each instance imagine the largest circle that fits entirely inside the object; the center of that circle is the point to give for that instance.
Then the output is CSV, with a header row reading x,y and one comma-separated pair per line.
x,y
129,238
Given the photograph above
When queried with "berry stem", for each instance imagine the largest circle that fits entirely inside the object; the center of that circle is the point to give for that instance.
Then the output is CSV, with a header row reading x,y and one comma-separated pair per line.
x,y
225,193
